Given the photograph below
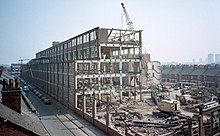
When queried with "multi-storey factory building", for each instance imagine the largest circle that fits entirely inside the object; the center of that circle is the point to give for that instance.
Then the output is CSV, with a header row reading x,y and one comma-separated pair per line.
x,y
99,61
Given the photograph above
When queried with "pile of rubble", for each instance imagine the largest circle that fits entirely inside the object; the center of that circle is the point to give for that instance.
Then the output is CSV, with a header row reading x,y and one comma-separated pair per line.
x,y
143,117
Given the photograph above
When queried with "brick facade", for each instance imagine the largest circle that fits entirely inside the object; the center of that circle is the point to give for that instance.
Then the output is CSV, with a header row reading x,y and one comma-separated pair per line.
x,y
208,75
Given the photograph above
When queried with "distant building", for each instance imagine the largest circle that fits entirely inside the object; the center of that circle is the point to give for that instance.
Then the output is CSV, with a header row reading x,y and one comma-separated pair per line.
x,y
200,61
208,75
210,58
15,70
217,58
144,71
150,72
154,74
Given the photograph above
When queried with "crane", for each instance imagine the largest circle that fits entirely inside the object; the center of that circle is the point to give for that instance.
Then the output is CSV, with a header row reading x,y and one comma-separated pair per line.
x,y
131,28
21,60
128,19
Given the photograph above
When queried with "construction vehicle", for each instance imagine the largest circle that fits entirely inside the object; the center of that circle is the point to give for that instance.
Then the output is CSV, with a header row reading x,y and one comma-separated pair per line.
x,y
157,95
169,106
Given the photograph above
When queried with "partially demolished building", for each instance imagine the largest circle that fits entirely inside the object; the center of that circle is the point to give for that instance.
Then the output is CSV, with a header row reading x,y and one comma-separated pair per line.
x,y
99,61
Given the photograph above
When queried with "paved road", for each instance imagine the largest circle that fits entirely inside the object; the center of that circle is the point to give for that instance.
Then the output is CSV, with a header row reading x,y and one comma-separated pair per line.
x,y
60,121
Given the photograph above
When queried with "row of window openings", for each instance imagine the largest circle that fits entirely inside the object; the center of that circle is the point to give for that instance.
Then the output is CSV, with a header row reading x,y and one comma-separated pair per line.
x,y
198,77
81,53
114,70
74,42
84,54
114,53
72,56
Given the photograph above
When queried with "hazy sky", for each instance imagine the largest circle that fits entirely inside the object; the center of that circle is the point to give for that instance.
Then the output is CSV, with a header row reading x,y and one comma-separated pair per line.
x,y
173,30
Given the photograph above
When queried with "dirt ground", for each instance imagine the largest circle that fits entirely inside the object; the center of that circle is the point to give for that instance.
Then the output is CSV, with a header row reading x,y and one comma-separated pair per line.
x,y
142,107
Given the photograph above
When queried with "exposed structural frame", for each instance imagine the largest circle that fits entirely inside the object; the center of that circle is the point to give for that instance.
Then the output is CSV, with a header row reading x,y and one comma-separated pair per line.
x,y
98,62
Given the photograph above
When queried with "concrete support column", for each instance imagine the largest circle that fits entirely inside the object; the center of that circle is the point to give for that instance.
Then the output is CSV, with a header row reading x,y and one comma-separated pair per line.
x,y
62,96
75,86
140,87
120,71
129,93
99,96
129,77
111,54
133,52
120,68
129,53
140,67
99,78
68,84
75,101
120,95
135,87
94,108
140,77
99,52
135,95
83,104
110,99
107,115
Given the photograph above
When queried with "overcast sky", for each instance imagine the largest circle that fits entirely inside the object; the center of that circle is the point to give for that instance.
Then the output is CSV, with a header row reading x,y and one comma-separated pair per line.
x,y
173,30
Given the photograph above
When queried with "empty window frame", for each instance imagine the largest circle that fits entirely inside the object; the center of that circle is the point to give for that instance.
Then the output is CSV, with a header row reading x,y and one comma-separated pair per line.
x,y
92,35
